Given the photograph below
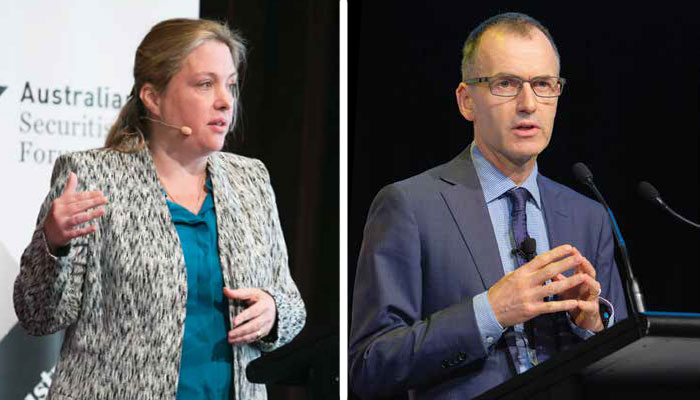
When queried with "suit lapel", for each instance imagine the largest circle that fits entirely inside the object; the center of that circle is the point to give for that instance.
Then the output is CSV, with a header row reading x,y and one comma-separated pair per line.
x,y
555,216
465,200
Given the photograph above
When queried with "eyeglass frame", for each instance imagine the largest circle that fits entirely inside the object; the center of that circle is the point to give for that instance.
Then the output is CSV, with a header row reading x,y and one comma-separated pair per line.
x,y
487,79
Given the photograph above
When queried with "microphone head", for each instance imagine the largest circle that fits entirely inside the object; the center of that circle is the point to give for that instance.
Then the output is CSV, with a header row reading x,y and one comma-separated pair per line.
x,y
186,130
529,245
648,191
582,173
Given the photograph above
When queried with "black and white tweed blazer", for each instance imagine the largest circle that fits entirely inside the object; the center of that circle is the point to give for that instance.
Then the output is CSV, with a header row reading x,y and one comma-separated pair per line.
x,y
120,293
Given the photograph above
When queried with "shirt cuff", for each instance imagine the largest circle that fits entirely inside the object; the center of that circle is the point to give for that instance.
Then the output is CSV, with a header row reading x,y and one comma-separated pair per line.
x,y
610,310
585,333
490,329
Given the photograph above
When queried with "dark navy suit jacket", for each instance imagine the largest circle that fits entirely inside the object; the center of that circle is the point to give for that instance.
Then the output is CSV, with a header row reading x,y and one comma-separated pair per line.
x,y
428,249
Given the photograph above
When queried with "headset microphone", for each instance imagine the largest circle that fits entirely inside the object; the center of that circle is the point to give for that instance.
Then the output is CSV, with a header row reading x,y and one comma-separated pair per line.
x,y
185,130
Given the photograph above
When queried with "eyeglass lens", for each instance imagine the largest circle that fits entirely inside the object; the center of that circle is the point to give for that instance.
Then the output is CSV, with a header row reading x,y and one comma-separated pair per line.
x,y
511,86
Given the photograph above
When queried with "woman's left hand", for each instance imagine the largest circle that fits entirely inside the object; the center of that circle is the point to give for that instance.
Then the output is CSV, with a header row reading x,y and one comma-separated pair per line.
x,y
256,321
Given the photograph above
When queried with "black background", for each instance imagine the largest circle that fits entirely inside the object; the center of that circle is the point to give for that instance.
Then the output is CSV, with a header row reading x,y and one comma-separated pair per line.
x,y
630,111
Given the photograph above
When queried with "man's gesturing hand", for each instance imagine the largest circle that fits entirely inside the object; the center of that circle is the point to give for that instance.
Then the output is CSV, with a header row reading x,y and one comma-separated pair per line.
x,y
519,295
70,210
587,314
256,321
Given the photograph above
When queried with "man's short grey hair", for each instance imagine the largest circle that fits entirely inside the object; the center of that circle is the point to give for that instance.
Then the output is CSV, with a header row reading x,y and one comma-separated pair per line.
x,y
512,22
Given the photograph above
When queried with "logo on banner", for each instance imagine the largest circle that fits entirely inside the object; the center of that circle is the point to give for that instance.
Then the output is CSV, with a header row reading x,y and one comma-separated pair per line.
x,y
52,116
2,89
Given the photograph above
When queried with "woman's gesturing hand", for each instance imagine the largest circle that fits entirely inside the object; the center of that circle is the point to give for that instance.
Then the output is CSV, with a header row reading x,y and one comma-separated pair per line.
x,y
256,321
70,210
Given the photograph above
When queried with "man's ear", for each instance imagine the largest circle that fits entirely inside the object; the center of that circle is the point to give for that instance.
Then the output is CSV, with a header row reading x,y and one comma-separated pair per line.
x,y
465,101
150,98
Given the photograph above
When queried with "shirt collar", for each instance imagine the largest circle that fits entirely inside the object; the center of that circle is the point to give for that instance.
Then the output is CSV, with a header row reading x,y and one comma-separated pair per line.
x,y
494,184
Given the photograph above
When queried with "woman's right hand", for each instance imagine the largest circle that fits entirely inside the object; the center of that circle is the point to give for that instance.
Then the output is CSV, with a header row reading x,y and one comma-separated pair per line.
x,y
70,210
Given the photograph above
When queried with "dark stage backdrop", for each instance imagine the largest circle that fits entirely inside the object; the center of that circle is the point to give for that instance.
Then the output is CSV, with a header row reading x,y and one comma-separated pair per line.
x,y
290,122
630,111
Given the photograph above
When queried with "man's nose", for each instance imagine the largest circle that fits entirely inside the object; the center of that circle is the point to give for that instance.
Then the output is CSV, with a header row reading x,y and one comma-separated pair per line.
x,y
527,102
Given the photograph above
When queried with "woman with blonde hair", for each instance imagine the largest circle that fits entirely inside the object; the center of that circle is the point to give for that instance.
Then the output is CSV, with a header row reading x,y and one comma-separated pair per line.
x,y
162,257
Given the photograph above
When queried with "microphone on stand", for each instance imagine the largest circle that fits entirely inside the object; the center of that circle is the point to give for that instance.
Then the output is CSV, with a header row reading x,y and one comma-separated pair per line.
x,y
185,130
649,192
634,294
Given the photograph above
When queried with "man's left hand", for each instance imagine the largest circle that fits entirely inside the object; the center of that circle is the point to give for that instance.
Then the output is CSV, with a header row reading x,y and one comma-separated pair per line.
x,y
587,314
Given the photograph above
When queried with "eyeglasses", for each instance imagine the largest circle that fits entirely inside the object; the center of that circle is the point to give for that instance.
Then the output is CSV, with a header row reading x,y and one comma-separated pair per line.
x,y
510,86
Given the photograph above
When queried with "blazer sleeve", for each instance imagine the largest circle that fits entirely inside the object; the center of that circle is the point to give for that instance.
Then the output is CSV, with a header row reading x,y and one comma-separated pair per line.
x,y
607,272
394,346
291,313
48,290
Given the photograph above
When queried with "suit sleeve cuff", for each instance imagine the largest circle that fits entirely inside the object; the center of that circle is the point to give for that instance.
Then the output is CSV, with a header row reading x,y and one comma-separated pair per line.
x,y
490,329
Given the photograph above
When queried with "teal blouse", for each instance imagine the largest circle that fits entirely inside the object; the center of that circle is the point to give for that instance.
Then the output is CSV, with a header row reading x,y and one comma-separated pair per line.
x,y
205,366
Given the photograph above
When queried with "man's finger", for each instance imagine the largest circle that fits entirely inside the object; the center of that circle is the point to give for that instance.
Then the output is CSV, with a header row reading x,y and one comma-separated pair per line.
x,y
71,183
587,309
593,286
555,268
590,307
549,257
547,307
587,316
559,277
559,286
587,267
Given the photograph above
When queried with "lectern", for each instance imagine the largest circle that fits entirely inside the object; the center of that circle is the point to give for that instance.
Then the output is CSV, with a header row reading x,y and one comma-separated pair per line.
x,y
310,361
649,355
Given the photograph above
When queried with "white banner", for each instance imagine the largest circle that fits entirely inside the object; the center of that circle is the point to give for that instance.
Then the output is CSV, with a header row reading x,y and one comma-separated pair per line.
x,y
65,71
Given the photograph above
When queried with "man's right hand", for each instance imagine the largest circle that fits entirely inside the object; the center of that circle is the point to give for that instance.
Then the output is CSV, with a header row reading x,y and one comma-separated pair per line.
x,y
70,210
519,295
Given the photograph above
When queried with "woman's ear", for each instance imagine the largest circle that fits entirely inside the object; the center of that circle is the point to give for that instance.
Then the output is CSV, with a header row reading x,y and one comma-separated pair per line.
x,y
150,98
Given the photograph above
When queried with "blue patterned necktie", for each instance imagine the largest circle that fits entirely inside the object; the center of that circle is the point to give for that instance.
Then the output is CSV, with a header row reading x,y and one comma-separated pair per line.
x,y
518,219
541,330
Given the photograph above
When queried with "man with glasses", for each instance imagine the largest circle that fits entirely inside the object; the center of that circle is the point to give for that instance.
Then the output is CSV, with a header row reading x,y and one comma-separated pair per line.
x,y
481,268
